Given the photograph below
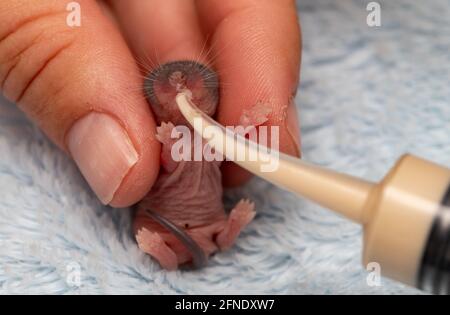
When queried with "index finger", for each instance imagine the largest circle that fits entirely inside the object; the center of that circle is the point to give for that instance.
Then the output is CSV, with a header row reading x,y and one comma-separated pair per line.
x,y
256,46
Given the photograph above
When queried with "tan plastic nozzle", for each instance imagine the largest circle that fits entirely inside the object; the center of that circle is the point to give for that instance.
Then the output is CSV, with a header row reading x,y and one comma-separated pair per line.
x,y
344,194
406,217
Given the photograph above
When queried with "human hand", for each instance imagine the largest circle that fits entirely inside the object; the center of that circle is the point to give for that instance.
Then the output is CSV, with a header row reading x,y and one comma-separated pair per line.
x,y
83,88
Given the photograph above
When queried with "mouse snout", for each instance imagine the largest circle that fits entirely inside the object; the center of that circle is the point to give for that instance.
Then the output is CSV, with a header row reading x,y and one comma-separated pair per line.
x,y
178,80
163,84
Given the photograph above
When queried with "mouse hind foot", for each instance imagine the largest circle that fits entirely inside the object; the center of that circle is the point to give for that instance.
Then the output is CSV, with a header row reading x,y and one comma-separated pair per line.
x,y
153,244
241,215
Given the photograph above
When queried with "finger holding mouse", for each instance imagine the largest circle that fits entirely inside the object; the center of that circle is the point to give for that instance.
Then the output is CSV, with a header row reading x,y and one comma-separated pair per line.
x,y
66,80
257,54
161,31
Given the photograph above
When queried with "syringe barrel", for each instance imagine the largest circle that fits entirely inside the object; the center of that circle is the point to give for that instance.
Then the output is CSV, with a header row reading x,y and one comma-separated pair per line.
x,y
408,229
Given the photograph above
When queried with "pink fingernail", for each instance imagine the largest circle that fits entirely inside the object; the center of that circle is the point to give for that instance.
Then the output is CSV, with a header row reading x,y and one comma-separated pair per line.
x,y
103,152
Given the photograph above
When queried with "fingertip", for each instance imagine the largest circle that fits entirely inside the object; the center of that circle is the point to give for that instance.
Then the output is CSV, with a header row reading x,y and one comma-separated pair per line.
x,y
259,61
119,163
140,178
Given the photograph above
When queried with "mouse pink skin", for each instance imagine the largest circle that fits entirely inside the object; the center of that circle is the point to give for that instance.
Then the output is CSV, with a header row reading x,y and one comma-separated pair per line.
x,y
189,193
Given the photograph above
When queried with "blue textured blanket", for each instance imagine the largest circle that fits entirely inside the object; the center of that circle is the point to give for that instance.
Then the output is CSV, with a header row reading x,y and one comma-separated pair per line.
x,y
367,95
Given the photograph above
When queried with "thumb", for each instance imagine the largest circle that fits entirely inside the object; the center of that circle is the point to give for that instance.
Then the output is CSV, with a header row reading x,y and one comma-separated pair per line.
x,y
82,87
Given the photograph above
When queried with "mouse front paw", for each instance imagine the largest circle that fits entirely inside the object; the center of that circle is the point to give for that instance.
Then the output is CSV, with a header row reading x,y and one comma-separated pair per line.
x,y
164,133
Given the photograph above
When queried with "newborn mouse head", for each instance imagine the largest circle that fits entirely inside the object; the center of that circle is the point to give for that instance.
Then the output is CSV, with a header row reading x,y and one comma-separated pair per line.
x,y
163,84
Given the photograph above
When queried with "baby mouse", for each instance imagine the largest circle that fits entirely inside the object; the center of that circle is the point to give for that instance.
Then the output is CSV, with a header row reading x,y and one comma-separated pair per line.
x,y
188,194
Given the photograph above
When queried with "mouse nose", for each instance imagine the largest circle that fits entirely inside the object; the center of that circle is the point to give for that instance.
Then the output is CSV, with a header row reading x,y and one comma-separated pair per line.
x,y
178,80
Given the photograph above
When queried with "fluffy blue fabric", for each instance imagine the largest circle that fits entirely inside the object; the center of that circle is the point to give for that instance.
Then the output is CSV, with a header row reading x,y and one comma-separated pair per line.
x,y
367,95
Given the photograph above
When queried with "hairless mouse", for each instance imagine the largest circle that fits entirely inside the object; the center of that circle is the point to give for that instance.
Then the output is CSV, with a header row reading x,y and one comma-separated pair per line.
x,y
182,219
